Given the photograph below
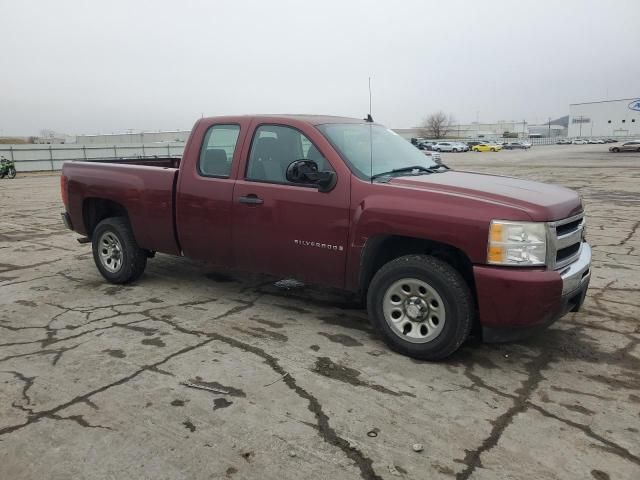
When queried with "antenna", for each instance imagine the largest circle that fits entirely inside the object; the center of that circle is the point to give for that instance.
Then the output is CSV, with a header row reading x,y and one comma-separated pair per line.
x,y
370,97
369,119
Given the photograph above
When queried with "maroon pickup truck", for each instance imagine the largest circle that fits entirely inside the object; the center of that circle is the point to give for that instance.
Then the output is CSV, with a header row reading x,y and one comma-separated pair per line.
x,y
349,204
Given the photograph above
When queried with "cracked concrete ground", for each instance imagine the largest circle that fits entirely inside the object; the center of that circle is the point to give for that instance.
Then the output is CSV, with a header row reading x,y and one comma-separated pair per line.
x,y
289,384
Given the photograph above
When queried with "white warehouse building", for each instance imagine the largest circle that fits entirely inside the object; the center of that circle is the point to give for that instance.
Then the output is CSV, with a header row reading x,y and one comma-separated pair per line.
x,y
607,118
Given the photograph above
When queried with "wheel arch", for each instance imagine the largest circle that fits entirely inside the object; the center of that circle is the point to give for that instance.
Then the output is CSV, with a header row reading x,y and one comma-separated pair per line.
x,y
381,249
94,210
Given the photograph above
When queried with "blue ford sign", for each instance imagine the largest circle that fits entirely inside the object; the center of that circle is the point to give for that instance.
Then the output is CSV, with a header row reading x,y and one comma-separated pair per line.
x,y
635,105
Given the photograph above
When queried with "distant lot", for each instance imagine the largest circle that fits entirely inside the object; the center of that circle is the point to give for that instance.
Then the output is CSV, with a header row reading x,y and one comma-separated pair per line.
x,y
293,383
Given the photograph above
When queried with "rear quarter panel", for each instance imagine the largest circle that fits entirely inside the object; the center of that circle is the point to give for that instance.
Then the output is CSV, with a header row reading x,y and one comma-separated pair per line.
x,y
146,193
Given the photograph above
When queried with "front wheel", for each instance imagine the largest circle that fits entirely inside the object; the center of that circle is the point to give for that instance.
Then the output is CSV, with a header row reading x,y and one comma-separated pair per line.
x,y
422,306
615,149
115,251
493,149
12,173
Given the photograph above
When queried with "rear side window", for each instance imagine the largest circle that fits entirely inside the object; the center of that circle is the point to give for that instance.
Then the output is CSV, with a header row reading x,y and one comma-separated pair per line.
x,y
217,150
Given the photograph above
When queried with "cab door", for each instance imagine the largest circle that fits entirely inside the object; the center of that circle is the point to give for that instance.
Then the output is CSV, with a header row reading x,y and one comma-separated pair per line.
x,y
285,229
204,196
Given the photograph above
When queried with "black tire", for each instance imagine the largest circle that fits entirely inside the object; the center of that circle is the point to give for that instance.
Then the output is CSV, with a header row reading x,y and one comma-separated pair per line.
x,y
449,285
133,258
493,149
12,173
615,149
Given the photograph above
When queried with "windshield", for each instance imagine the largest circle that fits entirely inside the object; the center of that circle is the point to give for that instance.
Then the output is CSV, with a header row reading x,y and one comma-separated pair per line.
x,y
356,141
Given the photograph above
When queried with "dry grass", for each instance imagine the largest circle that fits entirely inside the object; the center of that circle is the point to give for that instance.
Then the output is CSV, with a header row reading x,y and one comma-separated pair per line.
x,y
13,140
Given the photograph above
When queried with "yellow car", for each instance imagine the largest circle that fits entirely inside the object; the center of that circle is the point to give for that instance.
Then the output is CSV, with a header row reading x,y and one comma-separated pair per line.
x,y
486,147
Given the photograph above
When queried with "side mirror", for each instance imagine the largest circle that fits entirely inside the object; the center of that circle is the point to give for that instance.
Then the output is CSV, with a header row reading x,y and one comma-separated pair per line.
x,y
306,172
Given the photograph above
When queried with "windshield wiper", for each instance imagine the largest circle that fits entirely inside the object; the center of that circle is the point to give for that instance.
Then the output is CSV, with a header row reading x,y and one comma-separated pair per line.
x,y
420,168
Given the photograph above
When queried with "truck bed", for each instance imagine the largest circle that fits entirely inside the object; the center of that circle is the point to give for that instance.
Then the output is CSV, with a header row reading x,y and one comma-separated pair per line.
x,y
155,161
142,187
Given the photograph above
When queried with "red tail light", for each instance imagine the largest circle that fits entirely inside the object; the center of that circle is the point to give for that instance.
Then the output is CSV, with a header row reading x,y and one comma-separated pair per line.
x,y
63,190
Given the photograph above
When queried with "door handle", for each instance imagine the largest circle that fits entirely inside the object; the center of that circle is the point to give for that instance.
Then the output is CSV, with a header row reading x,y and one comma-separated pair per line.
x,y
251,199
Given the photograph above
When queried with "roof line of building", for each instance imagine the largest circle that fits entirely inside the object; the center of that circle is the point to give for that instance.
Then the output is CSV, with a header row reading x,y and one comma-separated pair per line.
x,y
128,133
605,101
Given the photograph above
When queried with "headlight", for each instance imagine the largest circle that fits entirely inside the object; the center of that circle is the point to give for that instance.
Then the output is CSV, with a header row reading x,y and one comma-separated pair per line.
x,y
517,243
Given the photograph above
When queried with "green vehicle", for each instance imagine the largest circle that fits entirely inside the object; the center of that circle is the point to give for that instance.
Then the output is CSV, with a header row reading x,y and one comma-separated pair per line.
x,y
7,168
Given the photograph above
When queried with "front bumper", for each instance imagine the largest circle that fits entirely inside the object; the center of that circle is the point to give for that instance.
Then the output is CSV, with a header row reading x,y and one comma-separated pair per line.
x,y
513,303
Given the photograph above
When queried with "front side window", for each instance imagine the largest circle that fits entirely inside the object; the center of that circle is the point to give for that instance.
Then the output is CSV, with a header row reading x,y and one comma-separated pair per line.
x,y
371,149
274,147
217,150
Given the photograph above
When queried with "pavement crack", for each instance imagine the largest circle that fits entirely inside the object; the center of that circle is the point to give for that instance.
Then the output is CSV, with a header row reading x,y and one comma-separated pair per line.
x,y
35,416
57,353
28,383
323,427
79,419
631,233
610,446
472,458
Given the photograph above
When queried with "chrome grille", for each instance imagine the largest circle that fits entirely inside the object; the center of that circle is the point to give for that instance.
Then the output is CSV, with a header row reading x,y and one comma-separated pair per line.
x,y
564,241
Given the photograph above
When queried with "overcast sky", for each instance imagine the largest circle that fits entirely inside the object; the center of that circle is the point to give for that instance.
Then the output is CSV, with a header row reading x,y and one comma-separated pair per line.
x,y
108,66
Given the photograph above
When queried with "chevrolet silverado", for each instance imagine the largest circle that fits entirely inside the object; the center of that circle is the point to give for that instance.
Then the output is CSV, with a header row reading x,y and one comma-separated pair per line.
x,y
345,203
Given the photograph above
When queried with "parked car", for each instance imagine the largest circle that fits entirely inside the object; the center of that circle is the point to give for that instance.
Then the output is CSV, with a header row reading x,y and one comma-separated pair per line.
x,y
462,147
563,141
446,147
595,141
486,147
347,204
579,141
632,146
424,145
516,145
610,140
473,143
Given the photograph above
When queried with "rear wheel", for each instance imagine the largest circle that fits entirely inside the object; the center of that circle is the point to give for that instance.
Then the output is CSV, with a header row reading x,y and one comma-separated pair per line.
x,y
493,149
421,305
12,172
115,251
615,149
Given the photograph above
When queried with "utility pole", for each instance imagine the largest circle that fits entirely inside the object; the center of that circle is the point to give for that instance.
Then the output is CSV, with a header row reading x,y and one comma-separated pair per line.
x,y
580,123
549,134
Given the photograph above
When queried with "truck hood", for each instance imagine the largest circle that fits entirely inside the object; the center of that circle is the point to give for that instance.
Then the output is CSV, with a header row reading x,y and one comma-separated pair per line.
x,y
541,201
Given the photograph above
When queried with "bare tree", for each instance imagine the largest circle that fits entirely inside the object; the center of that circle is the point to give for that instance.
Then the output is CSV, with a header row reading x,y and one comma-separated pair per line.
x,y
437,125
46,133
